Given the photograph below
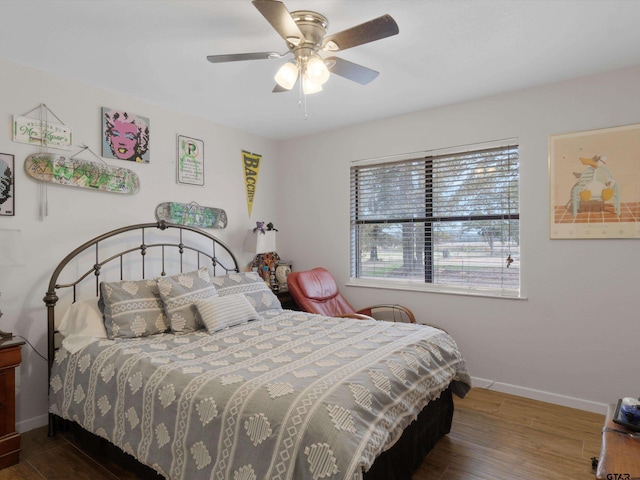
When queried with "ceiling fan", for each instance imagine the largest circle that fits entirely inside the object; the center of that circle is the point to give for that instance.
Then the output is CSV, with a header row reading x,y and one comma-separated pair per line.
x,y
305,34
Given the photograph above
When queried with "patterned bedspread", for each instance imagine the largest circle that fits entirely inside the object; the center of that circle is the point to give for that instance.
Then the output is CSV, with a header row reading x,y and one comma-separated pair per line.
x,y
291,396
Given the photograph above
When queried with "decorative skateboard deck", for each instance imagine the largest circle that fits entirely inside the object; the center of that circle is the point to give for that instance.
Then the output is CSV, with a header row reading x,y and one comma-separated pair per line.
x,y
72,172
192,214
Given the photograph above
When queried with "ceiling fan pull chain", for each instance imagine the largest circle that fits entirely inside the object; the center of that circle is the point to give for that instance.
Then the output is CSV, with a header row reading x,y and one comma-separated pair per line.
x,y
305,106
302,98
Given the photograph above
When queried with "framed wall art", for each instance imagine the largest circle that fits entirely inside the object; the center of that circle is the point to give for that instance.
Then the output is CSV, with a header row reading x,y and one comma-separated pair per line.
x,y
125,136
7,184
595,184
190,161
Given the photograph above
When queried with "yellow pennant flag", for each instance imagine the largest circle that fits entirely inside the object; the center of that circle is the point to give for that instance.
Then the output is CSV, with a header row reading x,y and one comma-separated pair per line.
x,y
251,165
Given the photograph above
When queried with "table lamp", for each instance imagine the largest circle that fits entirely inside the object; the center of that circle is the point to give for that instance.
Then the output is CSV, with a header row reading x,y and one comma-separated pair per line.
x,y
11,255
263,246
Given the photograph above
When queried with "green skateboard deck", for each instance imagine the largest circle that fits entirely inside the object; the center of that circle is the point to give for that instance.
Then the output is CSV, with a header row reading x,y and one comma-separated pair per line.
x,y
52,168
191,214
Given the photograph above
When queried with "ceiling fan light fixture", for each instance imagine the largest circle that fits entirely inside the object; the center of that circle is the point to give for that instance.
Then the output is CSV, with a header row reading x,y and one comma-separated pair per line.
x,y
309,86
305,33
317,71
287,75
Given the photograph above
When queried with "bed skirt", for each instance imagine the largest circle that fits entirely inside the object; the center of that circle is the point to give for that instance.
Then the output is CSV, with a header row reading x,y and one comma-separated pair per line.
x,y
418,439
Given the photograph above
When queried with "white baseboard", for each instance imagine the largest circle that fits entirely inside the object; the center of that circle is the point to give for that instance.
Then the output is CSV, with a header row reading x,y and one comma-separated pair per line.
x,y
541,395
32,423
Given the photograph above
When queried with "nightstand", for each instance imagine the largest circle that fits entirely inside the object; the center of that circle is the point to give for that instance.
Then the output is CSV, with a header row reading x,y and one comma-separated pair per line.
x,y
10,358
287,300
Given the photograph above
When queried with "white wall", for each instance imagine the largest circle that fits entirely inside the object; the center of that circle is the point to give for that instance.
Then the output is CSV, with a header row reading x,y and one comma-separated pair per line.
x,y
574,341
77,215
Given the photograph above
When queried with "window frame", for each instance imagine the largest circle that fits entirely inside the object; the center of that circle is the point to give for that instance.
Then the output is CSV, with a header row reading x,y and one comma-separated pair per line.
x,y
430,283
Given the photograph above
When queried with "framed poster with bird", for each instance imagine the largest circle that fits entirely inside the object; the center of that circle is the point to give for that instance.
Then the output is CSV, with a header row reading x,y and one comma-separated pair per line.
x,y
595,184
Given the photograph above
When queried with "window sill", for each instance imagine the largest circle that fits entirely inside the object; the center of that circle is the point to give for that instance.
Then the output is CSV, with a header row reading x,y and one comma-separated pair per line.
x,y
444,289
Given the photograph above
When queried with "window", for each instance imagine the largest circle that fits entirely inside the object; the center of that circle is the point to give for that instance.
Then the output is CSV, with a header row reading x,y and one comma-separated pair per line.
x,y
447,221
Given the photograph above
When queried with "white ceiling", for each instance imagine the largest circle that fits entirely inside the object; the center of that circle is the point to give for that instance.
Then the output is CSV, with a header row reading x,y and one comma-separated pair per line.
x,y
447,51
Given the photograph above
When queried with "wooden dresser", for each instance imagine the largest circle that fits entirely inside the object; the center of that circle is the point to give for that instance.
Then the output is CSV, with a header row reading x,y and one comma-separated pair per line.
x,y
10,358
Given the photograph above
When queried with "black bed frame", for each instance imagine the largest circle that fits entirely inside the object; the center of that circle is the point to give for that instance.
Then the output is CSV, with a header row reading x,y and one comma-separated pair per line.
x,y
165,246
397,463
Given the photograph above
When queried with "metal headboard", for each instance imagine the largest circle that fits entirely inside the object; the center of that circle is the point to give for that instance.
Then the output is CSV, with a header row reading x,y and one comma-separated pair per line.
x,y
205,246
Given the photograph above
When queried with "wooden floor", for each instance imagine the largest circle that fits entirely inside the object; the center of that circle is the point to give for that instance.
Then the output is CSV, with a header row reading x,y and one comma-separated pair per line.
x,y
502,437
494,436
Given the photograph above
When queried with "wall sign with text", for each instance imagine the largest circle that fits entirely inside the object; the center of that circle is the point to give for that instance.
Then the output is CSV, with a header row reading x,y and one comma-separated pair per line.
x,y
190,161
33,131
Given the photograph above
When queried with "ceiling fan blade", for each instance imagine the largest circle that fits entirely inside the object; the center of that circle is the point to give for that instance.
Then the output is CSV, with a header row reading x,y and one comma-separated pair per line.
x,y
279,17
350,70
237,57
376,29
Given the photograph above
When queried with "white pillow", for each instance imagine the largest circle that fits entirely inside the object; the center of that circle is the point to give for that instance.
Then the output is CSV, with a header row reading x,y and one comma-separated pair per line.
x,y
218,313
81,325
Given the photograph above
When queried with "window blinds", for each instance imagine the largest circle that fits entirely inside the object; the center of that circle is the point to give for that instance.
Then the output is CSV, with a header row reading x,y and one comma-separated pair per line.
x,y
448,219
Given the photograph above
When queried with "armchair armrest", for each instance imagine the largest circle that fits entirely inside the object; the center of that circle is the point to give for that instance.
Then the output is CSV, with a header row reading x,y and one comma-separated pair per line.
x,y
357,316
399,312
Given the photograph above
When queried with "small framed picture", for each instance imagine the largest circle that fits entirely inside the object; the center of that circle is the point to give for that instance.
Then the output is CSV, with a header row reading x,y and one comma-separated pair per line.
x,y
190,161
282,271
7,184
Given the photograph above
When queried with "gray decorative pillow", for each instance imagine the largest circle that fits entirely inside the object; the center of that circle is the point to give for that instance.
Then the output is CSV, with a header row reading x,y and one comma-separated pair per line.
x,y
132,308
255,289
218,313
179,294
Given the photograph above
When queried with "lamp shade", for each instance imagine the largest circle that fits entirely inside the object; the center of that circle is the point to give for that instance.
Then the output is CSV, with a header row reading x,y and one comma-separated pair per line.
x,y
259,242
309,86
287,75
11,249
317,71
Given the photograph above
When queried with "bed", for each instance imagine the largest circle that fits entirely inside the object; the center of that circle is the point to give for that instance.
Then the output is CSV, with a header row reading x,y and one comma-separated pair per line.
x,y
171,353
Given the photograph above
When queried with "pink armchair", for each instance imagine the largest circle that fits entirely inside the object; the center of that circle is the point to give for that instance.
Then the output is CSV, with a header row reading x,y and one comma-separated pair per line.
x,y
316,291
